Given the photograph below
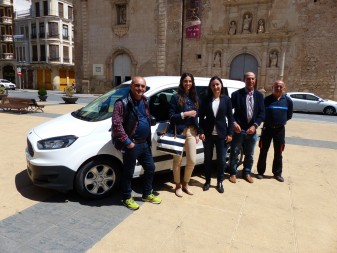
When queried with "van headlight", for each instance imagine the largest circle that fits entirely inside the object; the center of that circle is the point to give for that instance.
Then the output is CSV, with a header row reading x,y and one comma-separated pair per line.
x,y
57,142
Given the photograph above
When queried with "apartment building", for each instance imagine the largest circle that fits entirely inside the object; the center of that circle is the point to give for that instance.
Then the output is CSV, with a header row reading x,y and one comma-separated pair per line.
x,y
44,42
7,62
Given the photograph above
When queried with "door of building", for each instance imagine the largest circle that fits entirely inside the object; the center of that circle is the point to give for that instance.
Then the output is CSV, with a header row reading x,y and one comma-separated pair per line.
x,y
9,74
122,69
242,64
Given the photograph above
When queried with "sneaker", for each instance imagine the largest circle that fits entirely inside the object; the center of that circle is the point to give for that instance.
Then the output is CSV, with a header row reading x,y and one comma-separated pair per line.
x,y
152,199
131,204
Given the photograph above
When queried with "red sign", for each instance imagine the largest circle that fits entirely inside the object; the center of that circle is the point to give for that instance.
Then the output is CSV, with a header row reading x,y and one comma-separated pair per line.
x,y
19,73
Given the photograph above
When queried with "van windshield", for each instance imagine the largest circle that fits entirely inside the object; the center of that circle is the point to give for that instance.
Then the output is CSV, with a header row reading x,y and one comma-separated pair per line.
x,y
102,107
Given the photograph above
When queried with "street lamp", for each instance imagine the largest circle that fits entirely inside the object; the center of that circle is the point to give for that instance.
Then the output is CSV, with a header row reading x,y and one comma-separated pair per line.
x,y
19,71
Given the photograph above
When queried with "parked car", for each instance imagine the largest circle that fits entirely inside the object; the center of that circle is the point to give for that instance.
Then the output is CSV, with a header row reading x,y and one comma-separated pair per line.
x,y
74,151
7,84
309,102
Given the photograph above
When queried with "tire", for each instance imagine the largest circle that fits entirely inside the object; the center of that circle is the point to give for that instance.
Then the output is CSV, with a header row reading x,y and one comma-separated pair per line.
x,y
329,110
98,178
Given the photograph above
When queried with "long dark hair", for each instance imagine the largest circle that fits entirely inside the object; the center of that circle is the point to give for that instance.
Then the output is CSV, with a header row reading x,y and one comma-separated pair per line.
x,y
192,94
209,89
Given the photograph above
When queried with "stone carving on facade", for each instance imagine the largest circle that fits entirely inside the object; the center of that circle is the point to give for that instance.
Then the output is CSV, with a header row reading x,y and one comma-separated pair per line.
x,y
232,28
261,26
120,30
217,60
247,20
273,59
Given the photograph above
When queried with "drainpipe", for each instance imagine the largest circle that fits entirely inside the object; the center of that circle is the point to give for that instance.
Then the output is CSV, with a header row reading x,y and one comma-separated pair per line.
x,y
182,37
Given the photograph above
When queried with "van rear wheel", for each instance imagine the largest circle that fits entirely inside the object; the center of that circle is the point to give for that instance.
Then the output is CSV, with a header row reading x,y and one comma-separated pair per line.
x,y
98,178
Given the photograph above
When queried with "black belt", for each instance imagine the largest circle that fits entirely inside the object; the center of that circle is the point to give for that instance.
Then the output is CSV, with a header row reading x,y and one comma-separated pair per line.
x,y
138,141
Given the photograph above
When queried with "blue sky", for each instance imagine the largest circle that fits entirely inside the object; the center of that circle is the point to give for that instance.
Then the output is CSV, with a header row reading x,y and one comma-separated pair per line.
x,y
21,5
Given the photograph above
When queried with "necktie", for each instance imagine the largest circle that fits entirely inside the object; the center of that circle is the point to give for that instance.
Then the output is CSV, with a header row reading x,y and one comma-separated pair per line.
x,y
250,108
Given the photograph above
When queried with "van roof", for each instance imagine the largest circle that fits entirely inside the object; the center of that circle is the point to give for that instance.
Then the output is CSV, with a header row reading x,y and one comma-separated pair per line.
x,y
200,81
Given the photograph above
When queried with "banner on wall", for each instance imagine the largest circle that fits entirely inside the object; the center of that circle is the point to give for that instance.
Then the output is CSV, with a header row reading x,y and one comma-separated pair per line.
x,y
193,19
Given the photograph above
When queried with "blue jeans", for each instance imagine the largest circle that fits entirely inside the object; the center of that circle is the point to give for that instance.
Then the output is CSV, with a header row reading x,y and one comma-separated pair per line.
x,y
221,150
142,153
248,141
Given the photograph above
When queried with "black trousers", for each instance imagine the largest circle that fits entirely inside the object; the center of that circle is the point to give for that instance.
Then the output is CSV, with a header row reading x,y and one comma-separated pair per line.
x,y
278,136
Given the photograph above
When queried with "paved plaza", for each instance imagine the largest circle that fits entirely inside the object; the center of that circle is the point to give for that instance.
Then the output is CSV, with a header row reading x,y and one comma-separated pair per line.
x,y
299,215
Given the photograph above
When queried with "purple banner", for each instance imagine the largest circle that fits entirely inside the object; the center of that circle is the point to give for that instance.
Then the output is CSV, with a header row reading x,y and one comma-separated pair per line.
x,y
193,31
193,19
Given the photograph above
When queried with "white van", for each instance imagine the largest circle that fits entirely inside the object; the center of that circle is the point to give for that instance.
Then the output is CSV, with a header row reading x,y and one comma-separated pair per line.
x,y
74,151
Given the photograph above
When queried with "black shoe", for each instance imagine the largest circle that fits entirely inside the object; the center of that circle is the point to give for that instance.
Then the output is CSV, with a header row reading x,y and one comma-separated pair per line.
x,y
279,178
206,187
259,176
219,187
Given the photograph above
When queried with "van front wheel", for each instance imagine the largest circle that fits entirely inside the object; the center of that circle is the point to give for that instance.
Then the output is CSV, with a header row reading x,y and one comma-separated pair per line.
x,y
97,179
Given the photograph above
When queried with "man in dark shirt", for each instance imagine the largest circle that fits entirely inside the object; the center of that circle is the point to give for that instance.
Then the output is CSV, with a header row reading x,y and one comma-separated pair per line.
x,y
131,130
279,109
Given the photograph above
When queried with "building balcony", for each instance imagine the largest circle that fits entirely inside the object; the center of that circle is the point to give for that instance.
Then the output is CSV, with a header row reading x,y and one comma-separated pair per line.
x,y
5,2
6,38
56,36
7,56
6,20
50,59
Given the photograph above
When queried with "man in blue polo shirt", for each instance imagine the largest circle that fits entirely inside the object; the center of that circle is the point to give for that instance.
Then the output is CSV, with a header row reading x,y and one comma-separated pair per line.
x,y
279,109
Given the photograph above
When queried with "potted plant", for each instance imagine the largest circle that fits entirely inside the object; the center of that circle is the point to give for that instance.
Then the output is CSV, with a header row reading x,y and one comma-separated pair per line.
x,y
42,92
3,92
69,97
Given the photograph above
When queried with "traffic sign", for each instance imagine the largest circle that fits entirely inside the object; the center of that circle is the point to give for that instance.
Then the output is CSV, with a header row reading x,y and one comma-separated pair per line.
x,y
19,73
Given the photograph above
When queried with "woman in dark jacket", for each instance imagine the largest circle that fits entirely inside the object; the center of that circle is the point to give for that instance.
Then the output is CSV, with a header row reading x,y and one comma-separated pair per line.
x,y
183,117
216,129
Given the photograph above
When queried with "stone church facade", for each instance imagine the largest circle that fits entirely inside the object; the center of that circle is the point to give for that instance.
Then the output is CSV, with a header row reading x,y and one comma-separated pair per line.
x,y
293,40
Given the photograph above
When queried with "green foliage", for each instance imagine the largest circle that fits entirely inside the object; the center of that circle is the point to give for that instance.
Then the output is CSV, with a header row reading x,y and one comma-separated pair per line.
x,y
3,90
69,91
42,92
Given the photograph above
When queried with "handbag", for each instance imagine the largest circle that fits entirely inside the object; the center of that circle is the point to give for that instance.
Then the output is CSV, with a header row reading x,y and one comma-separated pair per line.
x,y
171,143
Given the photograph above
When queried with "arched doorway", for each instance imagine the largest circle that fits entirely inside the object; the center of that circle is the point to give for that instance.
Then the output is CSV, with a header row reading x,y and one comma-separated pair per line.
x,y
122,69
9,74
241,64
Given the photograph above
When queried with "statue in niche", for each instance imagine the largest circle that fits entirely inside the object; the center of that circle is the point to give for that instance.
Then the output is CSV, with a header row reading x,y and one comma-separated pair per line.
x,y
246,24
273,59
260,26
232,27
217,60
121,14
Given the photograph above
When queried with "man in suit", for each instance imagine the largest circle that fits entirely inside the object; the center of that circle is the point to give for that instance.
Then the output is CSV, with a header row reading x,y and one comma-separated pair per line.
x,y
249,112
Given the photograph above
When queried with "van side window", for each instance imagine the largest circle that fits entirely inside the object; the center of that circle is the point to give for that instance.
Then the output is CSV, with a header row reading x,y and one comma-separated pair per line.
x,y
160,104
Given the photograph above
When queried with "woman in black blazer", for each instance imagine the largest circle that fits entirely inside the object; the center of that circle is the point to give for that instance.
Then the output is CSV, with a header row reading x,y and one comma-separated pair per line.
x,y
216,129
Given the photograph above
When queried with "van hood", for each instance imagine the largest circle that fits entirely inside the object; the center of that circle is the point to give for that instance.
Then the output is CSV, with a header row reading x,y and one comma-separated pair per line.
x,y
65,125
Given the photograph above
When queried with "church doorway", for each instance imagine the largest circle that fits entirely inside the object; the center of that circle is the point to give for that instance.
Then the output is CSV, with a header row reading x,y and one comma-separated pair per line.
x,y
122,69
242,64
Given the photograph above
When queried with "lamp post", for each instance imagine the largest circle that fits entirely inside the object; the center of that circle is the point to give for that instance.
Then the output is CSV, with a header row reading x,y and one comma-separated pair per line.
x,y
19,71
